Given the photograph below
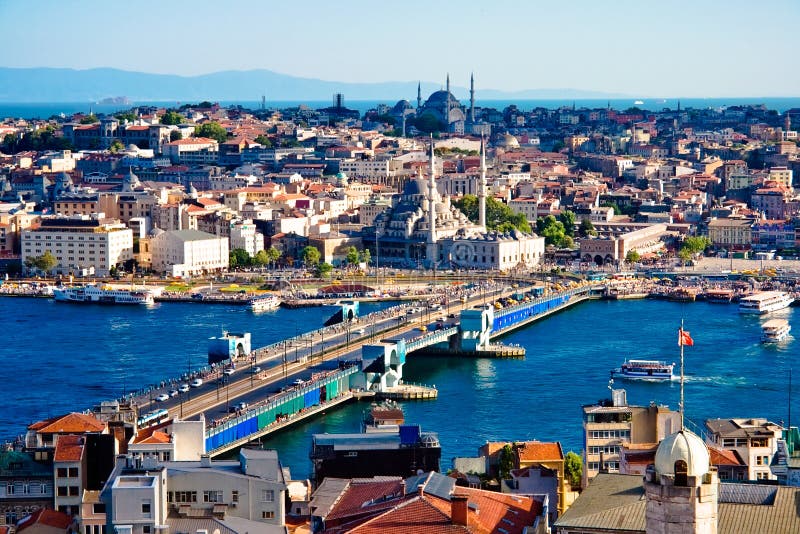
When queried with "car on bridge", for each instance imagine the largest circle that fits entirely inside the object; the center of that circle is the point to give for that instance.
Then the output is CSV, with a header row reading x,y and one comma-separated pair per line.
x,y
184,388
229,371
196,383
163,397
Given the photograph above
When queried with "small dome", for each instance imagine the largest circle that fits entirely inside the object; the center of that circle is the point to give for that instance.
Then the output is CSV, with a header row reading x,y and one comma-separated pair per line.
x,y
685,446
508,141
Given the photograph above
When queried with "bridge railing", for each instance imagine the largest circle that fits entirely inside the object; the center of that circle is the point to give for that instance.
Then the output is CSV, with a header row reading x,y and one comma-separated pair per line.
x,y
430,338
277,401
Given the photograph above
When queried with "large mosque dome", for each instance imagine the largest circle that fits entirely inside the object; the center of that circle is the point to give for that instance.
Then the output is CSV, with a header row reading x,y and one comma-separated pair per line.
x,y
682,446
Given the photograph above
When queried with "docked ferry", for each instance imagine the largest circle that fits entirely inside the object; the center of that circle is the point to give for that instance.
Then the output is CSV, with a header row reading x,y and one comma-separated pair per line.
x,y
765,302
644,370
102,295
260,304
775,330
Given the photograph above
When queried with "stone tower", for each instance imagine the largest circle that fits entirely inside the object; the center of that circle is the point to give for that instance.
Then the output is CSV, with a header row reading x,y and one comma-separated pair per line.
x,y
681,488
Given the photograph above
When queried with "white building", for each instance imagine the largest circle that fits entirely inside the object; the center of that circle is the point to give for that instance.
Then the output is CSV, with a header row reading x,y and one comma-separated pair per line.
x,y
754,440
137,502
181,441
192,151
244,235
80,244
188,252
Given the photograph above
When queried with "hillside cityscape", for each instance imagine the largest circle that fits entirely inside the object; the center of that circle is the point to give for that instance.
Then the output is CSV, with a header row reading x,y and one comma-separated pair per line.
x,y
431,267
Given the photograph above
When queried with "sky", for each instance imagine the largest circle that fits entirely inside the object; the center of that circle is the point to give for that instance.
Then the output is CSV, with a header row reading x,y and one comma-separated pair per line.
x,y
655,48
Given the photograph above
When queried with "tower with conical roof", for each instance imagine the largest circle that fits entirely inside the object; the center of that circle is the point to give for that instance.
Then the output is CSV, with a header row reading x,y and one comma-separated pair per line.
x,y
482,187
472,98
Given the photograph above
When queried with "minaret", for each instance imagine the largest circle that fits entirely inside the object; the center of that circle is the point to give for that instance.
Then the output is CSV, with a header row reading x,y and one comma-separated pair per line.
x,y
472,98
447,99
482,188
431,252
419,95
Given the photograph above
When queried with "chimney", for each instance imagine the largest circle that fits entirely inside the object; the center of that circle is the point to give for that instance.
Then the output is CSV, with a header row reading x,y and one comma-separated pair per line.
x,y
420,489
458,509
205,460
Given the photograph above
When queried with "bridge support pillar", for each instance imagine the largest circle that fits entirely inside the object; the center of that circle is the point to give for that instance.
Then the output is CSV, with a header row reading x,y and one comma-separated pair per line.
x,y
476,325
382,366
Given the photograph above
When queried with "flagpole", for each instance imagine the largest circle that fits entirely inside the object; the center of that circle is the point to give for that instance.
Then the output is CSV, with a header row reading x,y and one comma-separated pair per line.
x,y
682,410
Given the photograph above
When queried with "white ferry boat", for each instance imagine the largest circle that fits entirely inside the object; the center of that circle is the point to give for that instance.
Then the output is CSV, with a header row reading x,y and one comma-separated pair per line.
x,y
644,370
260,304
102,295
775,330
765,302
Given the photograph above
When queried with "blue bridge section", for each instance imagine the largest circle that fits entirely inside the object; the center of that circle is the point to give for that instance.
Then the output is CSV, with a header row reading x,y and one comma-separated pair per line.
x,y
263,417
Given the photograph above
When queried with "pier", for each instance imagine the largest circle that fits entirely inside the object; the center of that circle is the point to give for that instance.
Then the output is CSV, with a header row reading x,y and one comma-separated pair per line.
x,y
344,364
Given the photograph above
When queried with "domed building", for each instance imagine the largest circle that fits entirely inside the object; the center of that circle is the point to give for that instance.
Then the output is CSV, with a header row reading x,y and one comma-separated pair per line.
x,y
423,228
445,108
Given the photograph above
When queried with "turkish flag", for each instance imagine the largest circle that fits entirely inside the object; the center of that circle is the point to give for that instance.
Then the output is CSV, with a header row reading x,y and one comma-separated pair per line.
x,y
684,338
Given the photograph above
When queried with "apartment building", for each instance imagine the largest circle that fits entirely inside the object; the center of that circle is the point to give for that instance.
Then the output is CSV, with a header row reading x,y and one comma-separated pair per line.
x,y
754,440
80,244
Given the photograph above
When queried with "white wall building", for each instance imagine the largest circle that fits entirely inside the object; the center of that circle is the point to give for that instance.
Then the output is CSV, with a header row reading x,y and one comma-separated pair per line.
x,y
138,502
80,244
245,236
188,252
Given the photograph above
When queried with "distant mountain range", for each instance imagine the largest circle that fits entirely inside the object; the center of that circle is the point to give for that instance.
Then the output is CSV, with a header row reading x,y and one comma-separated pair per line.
x,y
19,85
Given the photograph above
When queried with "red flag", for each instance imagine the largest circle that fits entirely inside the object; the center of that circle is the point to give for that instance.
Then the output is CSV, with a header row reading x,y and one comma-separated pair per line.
x,y
684,338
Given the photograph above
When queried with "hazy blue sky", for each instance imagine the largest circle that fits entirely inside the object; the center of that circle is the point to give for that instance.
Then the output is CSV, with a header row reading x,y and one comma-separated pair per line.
x,y
638,47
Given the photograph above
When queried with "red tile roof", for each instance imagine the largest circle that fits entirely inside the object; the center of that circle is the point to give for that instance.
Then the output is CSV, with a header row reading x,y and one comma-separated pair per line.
x,y
415,516
50,518
359,499
69,449
155,437
71,423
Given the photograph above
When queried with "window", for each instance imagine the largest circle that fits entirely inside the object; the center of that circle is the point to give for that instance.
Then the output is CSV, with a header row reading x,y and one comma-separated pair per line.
x,y
98,508
73,491
73,472
235,496
10,488
267,495
185,496
62,491
212,496
145,529
762,475
62,472
146,508
267,515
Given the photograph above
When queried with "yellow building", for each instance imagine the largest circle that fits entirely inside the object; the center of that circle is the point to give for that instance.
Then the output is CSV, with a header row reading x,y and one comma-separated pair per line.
x,y
730,232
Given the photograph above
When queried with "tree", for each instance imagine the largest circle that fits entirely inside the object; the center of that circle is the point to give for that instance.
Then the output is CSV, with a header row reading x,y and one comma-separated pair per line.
x,y
44,263
310,256
573,469
261,258
89,119
632,256
263,141
428,123
238,258
172,117
125,116
587,229
553,232
506,462
567,218
175,135
352,256
273,254
116,146
696,245
366,256
324,269
212,130
498,215
290,142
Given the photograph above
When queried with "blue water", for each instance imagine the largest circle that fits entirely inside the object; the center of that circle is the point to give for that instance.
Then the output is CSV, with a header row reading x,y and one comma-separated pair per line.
x,y
48,109
59,357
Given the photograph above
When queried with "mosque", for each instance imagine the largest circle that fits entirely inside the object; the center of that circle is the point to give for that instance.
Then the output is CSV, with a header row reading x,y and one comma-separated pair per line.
x,y
423,228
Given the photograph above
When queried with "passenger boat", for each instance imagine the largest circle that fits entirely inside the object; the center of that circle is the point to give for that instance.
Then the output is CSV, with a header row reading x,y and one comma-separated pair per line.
x,y
765,302
260,304
644,370
102,295
682,294
721,296
775,330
